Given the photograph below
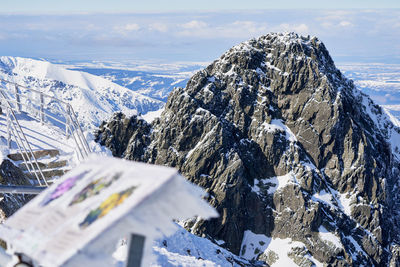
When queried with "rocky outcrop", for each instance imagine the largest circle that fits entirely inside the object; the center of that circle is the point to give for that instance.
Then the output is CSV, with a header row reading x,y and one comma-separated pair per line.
x,y
286,147
12,175
125,136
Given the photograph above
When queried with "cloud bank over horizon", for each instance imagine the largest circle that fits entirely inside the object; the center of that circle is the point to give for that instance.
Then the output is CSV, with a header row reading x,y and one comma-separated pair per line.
x,y
350,35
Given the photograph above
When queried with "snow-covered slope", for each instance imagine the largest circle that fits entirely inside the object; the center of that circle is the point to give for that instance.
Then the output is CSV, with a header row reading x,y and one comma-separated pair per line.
x,y
186,249
92,97
153,79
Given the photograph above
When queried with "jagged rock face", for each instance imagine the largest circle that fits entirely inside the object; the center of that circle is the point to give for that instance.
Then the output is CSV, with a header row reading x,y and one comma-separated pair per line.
x,y
12,175
286,147
122,131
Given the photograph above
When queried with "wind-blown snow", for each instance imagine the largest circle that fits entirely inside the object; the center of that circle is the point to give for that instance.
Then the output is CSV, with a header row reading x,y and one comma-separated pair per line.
x,y
185,249
323,196
278,125
152,115
384,122
329,237
273,184
276,249
344,203
357,247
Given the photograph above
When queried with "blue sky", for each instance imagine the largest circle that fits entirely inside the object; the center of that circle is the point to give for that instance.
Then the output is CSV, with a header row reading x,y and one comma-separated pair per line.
x,y
41,29
51,6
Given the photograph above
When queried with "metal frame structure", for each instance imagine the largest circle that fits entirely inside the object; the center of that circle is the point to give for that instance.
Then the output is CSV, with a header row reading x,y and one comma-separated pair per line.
x,y
20,189
47,109
14,130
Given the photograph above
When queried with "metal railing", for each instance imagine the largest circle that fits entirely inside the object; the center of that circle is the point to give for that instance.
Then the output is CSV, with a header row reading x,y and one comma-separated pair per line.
x,y
47,110
21,189
14,129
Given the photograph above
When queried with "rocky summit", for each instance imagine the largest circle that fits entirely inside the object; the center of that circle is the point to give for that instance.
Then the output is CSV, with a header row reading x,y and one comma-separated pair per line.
x,y
288,149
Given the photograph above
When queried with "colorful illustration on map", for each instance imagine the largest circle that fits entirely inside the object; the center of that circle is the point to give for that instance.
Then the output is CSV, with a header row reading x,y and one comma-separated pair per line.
x,y
63,187
94,188
106,206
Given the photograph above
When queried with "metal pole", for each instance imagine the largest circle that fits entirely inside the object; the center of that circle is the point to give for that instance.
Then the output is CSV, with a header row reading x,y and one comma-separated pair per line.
x,y
67,123
135,251
17,98
20,189
41,108
8,127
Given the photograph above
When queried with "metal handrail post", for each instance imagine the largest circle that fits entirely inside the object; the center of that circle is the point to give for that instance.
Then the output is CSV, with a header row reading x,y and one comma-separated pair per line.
x,y
21,189
67,125
71,123
8,127
17,98
80,142
41,108
25,156
18,129
79,129
24,153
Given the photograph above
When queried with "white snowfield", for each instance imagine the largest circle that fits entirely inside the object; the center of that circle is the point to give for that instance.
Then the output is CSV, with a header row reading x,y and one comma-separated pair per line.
x,y
277,250
187,250
93,98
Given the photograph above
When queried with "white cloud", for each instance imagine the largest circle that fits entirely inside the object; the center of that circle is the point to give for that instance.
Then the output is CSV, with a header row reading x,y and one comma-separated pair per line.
x,y
131,27
345,23
194,24
335,15
340,24
298,28
327,24
127,28
249,26
337,19
242,29
92,27
160,27
236,29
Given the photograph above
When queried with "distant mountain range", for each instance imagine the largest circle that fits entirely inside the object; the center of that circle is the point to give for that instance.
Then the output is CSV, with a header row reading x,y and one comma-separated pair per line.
x,y
155,85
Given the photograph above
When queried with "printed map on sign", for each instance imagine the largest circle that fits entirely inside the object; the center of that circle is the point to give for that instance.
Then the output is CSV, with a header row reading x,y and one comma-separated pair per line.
x,y
58,223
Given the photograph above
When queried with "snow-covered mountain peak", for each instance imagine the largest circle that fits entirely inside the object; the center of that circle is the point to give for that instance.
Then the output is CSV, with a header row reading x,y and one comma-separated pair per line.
x,y
282,40
93,98
291,154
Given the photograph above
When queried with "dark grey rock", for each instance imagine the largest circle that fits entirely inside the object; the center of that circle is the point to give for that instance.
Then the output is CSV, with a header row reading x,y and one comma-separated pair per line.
x,y
269,107
124,135
12,175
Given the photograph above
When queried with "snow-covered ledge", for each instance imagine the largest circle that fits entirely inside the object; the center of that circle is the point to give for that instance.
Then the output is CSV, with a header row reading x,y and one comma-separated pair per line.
x,y
79,219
